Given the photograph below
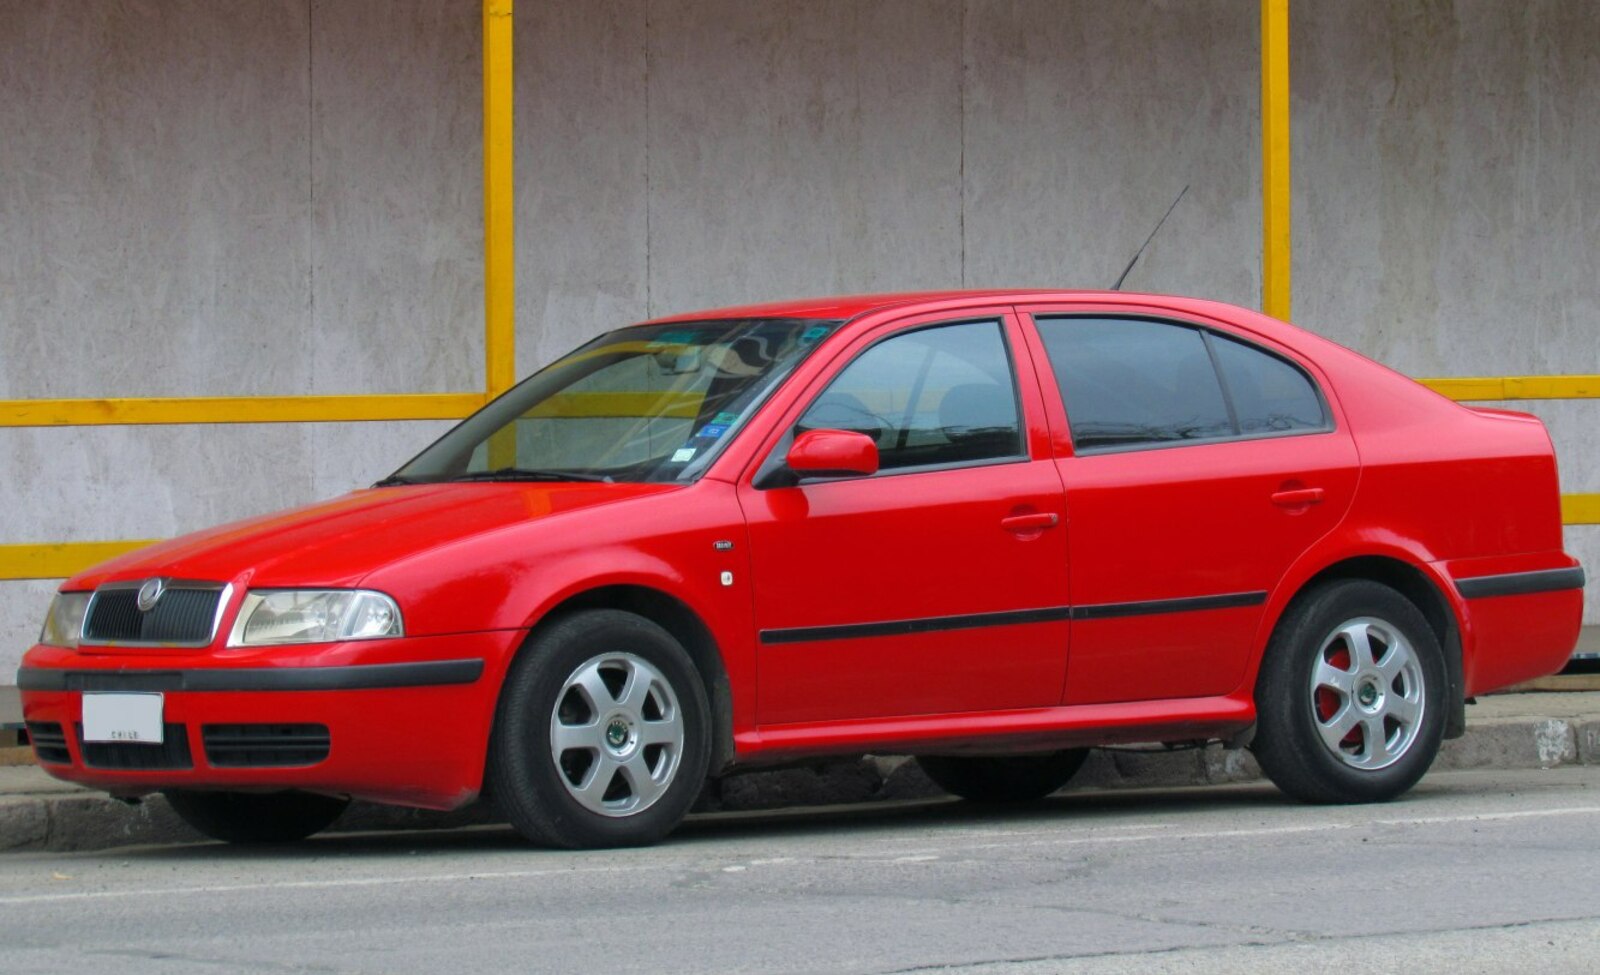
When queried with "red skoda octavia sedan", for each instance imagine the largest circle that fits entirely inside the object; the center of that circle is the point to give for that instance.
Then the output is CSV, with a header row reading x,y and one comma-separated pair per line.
x,y
989,529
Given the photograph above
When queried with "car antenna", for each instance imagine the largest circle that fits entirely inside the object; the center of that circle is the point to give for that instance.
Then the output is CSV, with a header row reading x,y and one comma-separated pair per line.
x,y
1123,276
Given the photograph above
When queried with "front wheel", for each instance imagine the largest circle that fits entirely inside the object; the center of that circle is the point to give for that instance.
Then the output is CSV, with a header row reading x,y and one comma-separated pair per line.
x,y
1003,778
1350,704
256,817
603,733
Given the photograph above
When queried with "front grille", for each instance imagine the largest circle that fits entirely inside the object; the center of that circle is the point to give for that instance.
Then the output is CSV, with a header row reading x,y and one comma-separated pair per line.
x,y
259,745
49,742
184,616
173,752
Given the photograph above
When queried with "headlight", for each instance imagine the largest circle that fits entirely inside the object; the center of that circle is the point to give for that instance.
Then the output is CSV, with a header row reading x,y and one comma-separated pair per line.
x,y
63,622
270,617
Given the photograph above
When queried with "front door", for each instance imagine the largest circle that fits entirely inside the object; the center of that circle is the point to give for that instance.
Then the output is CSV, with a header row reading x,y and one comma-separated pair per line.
x,y
938,584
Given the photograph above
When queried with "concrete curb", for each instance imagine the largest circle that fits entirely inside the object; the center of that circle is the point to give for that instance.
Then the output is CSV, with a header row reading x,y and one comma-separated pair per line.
x,y
70,819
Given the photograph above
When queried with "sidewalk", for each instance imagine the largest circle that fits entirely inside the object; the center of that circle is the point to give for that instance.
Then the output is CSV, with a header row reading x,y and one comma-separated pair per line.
x,y
1544,730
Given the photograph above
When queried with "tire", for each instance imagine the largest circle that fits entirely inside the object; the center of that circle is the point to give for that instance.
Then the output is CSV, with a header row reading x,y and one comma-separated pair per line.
x,y
250,818
1003,778
1350,703
602,737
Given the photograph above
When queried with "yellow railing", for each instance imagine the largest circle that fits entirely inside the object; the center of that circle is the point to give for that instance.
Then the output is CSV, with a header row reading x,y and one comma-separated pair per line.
x,y
54,560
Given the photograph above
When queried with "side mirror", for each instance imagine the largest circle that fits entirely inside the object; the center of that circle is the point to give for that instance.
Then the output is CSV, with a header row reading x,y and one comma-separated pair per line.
x,y
833,453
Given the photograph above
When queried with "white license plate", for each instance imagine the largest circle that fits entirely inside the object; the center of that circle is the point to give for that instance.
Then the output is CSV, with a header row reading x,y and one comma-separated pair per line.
x,y
122,717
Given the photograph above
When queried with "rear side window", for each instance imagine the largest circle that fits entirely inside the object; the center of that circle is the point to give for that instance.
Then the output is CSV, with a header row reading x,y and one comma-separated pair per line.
x,y
941,395
1269,395
1129,382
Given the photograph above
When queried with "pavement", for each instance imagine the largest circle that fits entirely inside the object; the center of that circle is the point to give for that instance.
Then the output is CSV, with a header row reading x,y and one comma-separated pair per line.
x,y
1471,872
1505,731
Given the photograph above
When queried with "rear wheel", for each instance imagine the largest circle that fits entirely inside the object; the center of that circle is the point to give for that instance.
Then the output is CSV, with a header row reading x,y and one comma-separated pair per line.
x,y
252,817
1350,703
603,733
1003,778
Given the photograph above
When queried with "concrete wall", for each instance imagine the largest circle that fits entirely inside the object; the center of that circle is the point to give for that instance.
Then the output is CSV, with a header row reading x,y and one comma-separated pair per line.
x,y
261,198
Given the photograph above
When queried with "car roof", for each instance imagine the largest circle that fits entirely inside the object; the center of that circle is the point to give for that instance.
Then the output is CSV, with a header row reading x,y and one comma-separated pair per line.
x,y
850,306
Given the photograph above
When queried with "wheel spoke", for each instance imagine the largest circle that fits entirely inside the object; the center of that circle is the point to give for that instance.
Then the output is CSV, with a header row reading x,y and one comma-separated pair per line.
x,y
592,791
1327,675
668,732
1397,661
1404,710
568,737
1358,636
637,691
637,772
594,689
1375,739
1335,729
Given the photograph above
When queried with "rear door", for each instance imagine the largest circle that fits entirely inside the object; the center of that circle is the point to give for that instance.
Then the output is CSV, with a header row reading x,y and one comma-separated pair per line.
x,y
939,584
1200,465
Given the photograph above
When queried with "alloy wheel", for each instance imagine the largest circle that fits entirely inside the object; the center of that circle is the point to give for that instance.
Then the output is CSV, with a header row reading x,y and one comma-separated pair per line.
x,y
1367,694
617,734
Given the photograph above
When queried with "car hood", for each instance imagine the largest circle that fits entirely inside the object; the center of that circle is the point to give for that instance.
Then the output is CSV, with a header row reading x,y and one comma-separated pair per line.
x,y
336,543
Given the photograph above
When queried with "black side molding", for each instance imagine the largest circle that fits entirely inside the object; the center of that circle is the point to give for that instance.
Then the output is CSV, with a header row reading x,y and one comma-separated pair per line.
x,y
429,673
1156,607
1048,614
1522,583
927,624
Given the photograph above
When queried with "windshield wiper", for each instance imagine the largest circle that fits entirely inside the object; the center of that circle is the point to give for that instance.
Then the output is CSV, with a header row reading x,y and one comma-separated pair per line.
x,y
530,474
395,480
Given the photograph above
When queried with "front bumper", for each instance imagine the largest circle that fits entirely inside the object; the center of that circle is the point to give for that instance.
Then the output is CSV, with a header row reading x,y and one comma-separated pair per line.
x,y
401,721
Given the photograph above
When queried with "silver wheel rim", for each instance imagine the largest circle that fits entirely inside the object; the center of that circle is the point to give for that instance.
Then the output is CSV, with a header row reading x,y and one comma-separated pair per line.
x,y
616,734
1367,693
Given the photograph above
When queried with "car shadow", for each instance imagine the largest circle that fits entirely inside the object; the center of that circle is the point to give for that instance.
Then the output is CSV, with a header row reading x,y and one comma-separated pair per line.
x,y
1088,807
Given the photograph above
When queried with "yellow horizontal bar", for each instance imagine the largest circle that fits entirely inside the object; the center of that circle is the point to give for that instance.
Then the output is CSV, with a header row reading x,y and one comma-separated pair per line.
x,y
60,559
619,405
1517,387
1580,509
237,409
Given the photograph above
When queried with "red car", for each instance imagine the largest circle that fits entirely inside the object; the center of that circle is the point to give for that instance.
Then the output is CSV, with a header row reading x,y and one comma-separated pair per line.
x,y
990,529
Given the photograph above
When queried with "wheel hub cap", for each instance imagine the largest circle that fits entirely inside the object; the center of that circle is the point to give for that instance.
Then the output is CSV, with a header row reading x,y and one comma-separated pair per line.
x,y
617,734
1368,694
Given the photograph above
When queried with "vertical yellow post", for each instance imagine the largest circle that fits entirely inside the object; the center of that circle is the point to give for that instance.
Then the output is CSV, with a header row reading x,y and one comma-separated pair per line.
x,y
1275,200
499,339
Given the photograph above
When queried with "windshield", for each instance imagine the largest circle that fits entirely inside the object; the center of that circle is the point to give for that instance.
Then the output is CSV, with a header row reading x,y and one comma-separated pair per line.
x,y
648,403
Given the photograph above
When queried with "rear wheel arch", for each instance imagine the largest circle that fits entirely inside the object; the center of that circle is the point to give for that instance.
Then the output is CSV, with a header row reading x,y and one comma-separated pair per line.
x,y
1422,592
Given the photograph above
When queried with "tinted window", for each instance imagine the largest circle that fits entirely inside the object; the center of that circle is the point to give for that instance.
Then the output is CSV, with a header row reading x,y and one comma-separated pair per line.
x,y
1269,395
1127,382
933,396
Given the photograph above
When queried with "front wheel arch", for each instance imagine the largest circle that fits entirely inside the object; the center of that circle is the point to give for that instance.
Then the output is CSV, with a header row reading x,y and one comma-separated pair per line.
x,y
672,615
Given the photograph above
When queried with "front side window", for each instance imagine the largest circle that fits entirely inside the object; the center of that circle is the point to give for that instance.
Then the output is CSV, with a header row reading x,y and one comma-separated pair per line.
x,y
648,403
941,395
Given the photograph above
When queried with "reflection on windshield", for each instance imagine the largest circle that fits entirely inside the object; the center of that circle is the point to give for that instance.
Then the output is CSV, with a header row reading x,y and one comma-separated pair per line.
x,y
649,403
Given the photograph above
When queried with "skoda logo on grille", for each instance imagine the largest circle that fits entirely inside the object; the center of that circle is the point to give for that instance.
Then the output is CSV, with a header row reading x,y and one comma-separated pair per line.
x,y
150,593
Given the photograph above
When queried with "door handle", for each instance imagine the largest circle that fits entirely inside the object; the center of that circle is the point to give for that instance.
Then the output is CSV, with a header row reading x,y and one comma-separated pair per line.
x,y
1297,497
1037,521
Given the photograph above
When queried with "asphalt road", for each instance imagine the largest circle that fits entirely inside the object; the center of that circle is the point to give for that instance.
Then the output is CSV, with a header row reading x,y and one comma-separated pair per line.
x,y
1474,871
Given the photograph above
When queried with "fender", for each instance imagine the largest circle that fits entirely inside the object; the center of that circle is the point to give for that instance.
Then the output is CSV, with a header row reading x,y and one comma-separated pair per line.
x,y
1346,544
